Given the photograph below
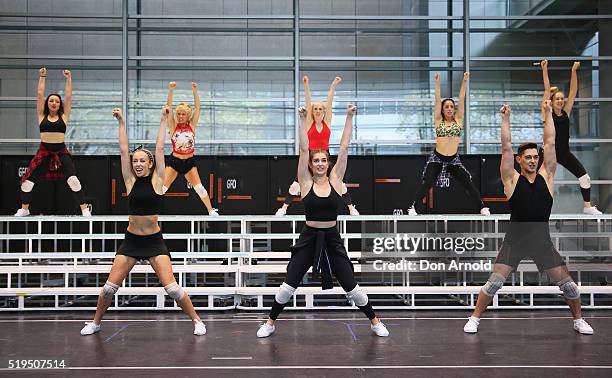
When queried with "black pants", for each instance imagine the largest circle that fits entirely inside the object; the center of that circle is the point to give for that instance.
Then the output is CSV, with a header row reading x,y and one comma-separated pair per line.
x,y
570,162
68,170
302,259
431,174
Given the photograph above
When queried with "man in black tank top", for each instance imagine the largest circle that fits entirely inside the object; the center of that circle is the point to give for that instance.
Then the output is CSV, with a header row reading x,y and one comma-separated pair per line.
x,y
530,194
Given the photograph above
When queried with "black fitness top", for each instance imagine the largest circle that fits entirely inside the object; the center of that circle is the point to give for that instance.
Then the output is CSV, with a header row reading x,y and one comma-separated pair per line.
x,y
321,208
58,126
142,199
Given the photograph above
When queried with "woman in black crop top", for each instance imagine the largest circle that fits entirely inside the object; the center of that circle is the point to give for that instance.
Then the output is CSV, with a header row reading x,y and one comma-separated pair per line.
x,y
53,160
143,176
320,244
562,108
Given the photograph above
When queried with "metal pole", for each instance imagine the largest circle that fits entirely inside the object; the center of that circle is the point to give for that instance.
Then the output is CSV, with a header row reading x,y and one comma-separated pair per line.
x,y
466,66
296,74
124,60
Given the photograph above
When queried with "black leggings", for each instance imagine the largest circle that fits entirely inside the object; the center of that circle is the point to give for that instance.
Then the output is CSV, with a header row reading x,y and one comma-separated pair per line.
x,y
68,170
431,175
341,267
570,162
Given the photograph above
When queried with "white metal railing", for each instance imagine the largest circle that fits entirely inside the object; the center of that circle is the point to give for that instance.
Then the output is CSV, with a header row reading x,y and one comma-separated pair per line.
x,y
32,247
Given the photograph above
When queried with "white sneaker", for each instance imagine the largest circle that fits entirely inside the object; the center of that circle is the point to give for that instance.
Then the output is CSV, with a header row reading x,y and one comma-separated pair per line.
x,y
199,328
591,210
583,327
22,213
472,325
353,210
280,212
214,213
265,330
412,211
86,212
485,211
90,329
379,329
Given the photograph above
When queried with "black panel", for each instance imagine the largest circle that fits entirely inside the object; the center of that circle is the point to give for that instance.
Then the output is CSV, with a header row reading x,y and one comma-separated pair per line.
x,y
389,196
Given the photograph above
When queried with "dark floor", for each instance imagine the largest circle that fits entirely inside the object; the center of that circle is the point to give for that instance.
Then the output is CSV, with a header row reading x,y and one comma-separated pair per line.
x,y
322,344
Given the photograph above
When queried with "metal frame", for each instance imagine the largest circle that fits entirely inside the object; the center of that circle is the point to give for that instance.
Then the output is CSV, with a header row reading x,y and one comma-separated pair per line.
x,y
239,261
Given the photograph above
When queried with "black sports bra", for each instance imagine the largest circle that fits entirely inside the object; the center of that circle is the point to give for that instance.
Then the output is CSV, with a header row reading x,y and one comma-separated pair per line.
x,y
321,208
58,126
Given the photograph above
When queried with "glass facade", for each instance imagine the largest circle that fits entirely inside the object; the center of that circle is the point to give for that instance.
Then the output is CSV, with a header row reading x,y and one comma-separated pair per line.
x,y
248,58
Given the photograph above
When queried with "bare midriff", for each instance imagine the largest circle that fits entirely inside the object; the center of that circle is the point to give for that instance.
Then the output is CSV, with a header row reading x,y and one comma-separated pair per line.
x,y
52,137
143,225
321,224
447,145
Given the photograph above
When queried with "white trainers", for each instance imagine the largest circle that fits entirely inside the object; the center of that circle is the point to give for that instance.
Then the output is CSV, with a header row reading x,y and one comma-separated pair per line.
x,y
472,325
485,211
591,210
412,211
280,212
583,327
265,330
379,329
214,213
86,212
353,210
90,329
199,329
22,213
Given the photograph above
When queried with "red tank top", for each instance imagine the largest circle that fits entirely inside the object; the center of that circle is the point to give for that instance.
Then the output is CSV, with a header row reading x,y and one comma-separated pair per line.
x,y
183,139
318,140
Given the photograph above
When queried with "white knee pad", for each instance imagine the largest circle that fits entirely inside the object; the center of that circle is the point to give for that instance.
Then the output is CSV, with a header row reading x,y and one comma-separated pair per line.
x,y
109,290
164,189
175,291
27,186
344,189
495,282
569,288
200,190
74,183
585,181
294,189
358,296
285,293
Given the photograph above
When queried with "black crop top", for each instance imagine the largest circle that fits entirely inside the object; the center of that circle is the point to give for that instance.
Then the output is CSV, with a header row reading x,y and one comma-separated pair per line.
x,y
321,208
142,199
58,126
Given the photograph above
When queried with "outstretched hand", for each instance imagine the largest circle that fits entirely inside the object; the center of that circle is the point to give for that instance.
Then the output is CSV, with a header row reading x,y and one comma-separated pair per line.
x,y
351,109
337,80
466,75
165,112
576,66
172,85
194,86
437,76
305,79
302,112
67,74
544,64
547,106
42,72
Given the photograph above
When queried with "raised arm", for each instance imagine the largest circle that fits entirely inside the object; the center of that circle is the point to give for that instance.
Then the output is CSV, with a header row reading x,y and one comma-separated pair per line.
x,y
171,123
304,176
160,167
68,95
337,173
569,103
126,164
438,100
40,94
508,174
544,65
550,157
196,99
329,103
308,98
461,104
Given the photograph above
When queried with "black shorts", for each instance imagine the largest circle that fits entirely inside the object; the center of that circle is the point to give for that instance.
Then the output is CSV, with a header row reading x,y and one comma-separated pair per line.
x,y
182,166
143,247
545,256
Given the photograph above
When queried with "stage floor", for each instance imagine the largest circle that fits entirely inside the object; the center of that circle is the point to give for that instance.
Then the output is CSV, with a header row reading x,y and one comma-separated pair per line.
x,y
328,343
